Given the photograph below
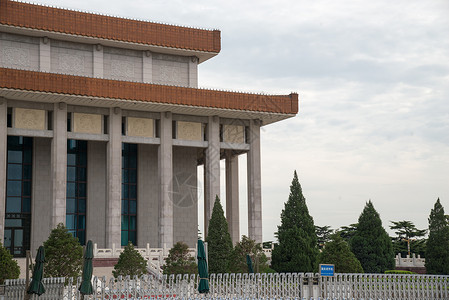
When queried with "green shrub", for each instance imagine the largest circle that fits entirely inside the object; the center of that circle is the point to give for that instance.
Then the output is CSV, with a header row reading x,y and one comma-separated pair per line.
x,y
398,272
258,257
130,263
63,254
337,252
179,261
9,269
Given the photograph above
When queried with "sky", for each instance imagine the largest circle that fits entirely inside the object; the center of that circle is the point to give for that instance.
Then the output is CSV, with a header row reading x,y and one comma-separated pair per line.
x,y
373,82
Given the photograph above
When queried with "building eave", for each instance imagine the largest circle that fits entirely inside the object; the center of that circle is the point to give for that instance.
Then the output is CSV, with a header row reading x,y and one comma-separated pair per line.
x,y
57,22
46,97
201,55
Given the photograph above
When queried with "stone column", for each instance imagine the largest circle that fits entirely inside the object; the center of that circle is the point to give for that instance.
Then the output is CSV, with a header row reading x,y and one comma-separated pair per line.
x,y
193,72
98,63
114,179
3,153
147,67
59,164
44,55
232,196
165,159
211,169
254,183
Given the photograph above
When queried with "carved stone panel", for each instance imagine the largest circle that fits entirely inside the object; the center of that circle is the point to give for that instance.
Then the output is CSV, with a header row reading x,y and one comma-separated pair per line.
x,y
87,123
190,131
234,134
16,57
140,127
71,64
170,72
29,119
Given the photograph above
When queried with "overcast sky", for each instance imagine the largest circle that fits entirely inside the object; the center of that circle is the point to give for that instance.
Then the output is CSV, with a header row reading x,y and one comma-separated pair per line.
x,y
373,80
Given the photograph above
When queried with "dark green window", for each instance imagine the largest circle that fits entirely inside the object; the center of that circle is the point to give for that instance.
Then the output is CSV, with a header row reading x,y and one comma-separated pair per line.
x,y
76,189
18,195
129,194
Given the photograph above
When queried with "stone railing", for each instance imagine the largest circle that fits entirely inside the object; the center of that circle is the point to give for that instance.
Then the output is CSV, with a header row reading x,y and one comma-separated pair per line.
x,y
155,256
410,262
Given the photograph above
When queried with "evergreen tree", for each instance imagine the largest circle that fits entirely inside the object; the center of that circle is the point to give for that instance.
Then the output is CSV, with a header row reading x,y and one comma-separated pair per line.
x,y
323,234
407,238
371,244
244,247
219,244
63,254
179,260
337,252
130,263
297,249
347,232
9,269
437,254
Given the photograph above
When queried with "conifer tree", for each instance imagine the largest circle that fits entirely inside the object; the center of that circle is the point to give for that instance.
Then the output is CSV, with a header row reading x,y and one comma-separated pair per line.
x,y
130,263
9,269
437,254
371,244
258,257
337,252
297,249
63,254
179,260
407,240
219,244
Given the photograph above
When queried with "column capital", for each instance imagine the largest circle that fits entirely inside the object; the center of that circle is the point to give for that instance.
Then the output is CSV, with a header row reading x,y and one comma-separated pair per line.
x,y
168,114
117,110
62,105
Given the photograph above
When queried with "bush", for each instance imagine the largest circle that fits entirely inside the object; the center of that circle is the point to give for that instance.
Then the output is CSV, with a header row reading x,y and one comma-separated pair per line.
x,y
259,259
179,261
337,252
130,263
63,254
399,272
9,269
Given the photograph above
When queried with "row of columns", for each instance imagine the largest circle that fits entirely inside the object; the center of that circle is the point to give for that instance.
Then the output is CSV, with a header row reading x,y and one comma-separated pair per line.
x,y
212,182
165,169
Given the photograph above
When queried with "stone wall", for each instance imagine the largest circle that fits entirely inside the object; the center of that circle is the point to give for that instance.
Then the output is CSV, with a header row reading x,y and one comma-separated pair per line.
x,y
63,57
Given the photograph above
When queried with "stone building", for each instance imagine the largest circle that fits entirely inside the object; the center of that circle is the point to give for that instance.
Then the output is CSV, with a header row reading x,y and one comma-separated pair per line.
x,y
103,127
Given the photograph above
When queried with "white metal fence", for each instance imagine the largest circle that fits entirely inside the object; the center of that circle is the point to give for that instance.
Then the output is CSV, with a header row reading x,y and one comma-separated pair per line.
x,y
249,286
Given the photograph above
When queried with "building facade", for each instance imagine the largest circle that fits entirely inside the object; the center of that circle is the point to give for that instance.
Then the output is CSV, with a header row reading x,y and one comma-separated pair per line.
x,y
103,127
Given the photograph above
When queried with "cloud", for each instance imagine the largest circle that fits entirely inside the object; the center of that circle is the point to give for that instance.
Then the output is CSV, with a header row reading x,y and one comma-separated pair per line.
x,y
373,83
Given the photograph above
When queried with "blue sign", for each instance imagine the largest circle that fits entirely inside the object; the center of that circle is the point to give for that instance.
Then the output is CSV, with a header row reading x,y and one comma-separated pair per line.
x,y
327,270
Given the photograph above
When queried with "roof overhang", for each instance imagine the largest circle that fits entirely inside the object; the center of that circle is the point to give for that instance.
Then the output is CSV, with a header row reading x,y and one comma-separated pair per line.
x,y
202,55
34,96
